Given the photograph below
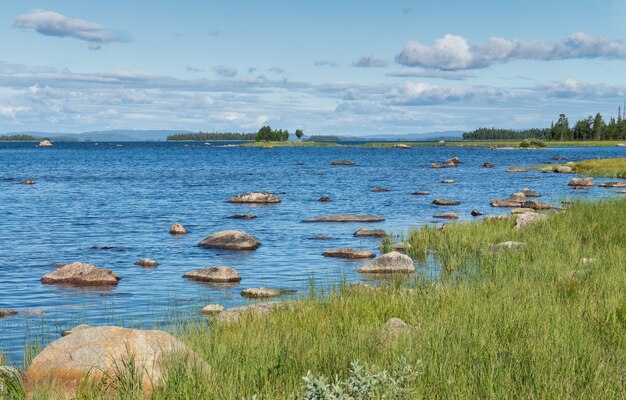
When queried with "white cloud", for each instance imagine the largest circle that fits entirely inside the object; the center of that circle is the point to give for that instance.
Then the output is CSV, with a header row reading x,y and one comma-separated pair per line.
x,y
12,111
452,52
571,88
370,62
50,23
421,93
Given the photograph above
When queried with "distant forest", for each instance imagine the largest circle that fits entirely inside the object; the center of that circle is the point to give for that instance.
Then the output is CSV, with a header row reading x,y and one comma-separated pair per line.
x,y
206,136
19,138
323,138
590,128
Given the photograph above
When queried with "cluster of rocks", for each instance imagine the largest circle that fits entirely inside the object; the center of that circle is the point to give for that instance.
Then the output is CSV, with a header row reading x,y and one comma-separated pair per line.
x,y
451,162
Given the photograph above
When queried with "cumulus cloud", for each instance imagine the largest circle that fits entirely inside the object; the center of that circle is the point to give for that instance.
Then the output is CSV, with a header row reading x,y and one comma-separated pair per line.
x,y
326,63
370,62
50,23
226,72
571,88
421,93
452,52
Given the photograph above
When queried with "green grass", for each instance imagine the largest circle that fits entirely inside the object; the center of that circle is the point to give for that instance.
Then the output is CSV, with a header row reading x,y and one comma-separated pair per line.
x,y
499,143
531,323
602,167
287,144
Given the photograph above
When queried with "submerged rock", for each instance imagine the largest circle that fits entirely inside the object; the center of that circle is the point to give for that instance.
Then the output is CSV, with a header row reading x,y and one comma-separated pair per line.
x,y
147,262
420,193
394,262
7,313
435,165
325,199
342,162
380,190
613,184
82,274
488,165
347,218
364,232
178,229
214,274
98,353
444,202
230,240
262,293
448,215
242,216
255,198
322,238
516,169
509,245
28,182
351,254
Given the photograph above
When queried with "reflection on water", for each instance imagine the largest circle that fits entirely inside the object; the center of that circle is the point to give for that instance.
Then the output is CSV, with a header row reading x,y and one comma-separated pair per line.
x,y
110,206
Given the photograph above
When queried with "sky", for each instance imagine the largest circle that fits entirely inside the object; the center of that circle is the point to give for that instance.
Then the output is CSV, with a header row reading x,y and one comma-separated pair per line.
x,y
328,67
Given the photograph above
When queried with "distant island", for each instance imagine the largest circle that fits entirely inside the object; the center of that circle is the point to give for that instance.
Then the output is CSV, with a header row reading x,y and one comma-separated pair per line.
x,y
20,138
212,136
323,138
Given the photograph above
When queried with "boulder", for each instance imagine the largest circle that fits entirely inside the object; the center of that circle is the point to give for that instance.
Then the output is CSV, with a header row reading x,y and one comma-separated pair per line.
x,y
448,181
146,262
444,202
76,329
96,353
364,232
178,229
392,329
82,274
255,198
242,216
613,184
262,293
45,143
420,193
347,218
325,199
505,203
488,165
230,240
476,213
28,182
528,219
394,262
212,309
380,190
342,162
235,314
351,254
529,193
516,169
401,146
521,210
452,161
518,196
536,205
581,182
435,165
214,274
563,169
509,245
448,215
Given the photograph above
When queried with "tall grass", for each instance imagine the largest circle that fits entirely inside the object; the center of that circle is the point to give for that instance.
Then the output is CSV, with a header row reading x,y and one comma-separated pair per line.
x,y
537,322
602,167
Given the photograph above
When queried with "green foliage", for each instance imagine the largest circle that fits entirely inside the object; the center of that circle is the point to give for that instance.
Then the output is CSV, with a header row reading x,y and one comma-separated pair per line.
x,y
602,167
532,143
505,134
19,138
267,134
299,134
206,137
323,138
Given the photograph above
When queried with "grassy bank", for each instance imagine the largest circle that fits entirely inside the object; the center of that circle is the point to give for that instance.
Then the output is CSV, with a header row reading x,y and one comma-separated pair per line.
x,y
287,144
501,143
602,167
537,322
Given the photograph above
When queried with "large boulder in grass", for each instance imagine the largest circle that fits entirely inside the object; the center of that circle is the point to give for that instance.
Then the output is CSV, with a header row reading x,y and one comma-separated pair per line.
x,y
214,274
81,274
255,198
509,245
351,254
582,182
347,218
99,353
390,263
230,240
529,218
536,205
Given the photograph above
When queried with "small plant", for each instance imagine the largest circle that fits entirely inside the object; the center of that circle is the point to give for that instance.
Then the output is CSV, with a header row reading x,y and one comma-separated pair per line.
x,y
532,143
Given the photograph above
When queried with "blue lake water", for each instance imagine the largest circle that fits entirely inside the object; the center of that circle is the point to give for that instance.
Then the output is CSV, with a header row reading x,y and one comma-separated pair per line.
x,y
127,197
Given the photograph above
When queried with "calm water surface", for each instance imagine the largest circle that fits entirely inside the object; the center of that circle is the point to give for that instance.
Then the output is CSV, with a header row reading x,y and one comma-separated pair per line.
x,y
88,197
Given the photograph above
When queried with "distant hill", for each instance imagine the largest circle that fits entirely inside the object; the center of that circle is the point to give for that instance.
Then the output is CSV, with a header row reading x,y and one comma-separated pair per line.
x,y
413,137
118,135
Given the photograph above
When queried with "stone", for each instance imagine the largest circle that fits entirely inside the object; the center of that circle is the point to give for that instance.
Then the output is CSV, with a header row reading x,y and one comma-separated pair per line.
x,y
8,373
536,205
76,329
505,203
509,245
214,274
401,146
322,238
233,315
476,213
488,165
81,274
435,165
420,193
28,182
394,262
178,229
146,262
392,329
255,198
453,161
351,254
448,181
448,215
581,182
613,184
620,145
380,190
7,313
230,240
529,218
212,309
521,210
347,218
516,169
342,162
325,199
262,293
242,216
444,202
97,352
364,232
518,196
490,218
529,193
45,143
563,169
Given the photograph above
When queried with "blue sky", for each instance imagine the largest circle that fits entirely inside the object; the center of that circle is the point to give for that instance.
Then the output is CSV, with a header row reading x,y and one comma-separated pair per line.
x,y
328,67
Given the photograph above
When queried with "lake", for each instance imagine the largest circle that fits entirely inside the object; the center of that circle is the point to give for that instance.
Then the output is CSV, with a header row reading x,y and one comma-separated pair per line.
x,y
110,205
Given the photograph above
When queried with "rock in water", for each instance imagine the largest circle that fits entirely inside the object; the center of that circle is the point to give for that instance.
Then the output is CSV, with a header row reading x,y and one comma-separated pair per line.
x,y
214,274
517,169
97,352
563,169
347,218
178,229
255,198
581,182
448,181
449,215
146,262
7,313
351,254
325,199
488,165
529,193
476,213
45,143
444,202
342,162
230,240
262,293
212,309
82,274
420,193
242,216
613,184
536,205
364,232
28,182
389,263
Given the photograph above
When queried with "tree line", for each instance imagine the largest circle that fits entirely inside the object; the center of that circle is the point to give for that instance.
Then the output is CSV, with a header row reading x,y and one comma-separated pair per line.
x,y
267,134
323,138
19,138
589,128
209,136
